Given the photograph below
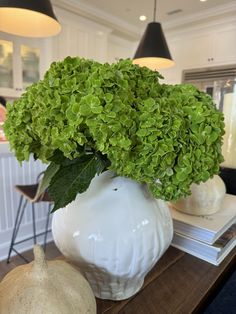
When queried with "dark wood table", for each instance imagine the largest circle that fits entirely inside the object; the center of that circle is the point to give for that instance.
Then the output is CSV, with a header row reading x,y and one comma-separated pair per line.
x,y
179,283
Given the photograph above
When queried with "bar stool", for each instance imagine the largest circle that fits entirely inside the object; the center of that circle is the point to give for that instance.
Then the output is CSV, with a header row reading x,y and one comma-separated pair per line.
x,y
29,193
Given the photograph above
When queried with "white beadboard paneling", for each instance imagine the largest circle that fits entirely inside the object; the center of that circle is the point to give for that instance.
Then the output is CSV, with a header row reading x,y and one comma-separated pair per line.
x,y
10,212
82,44
11,174
60,44
79,37
79,44
100,47
3,196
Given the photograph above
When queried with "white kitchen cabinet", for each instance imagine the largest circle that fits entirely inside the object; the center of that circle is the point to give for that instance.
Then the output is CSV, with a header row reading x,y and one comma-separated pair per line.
x,y
197,50
205,47
224,46
23,61
213,48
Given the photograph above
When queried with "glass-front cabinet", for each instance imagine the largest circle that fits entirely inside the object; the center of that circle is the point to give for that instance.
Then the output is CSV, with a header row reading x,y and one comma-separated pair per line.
x,y
22,62
6,64
30,61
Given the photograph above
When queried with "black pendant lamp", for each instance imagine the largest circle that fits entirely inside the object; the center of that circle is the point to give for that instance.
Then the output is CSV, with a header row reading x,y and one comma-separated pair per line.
x,y
29,18
153,51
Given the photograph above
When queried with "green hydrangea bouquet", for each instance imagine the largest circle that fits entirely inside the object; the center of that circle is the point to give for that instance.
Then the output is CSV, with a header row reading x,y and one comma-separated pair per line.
x,y
85,117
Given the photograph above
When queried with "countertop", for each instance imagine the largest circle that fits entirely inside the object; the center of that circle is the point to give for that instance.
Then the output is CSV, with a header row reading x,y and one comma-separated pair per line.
x,y
5,149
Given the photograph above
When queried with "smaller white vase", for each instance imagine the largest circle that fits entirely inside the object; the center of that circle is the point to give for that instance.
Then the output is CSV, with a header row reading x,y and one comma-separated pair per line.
x,y
206,198
115,232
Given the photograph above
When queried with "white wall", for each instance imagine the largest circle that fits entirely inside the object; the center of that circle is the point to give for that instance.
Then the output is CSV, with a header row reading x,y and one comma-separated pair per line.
x,y
79,37
84,38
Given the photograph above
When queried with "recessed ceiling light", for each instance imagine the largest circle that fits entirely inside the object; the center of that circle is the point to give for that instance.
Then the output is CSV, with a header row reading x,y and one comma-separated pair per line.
x,y
142,17
203,0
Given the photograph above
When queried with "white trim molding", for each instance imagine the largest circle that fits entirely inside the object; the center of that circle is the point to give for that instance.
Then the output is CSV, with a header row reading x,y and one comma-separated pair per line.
x,y
117,25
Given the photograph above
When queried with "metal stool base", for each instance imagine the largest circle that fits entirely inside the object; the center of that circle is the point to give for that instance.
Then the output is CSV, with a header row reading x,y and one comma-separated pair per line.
x,y
18,220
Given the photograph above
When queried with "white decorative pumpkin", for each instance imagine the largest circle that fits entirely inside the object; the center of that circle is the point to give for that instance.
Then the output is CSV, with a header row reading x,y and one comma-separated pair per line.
x,y
52,287
206,198
116,232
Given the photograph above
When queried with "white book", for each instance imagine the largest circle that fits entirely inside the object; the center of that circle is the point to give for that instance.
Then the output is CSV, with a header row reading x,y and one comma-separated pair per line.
x,y
206,228
213,254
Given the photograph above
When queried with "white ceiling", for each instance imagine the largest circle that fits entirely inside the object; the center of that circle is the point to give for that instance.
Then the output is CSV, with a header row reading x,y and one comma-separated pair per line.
x,y
122,16
130,10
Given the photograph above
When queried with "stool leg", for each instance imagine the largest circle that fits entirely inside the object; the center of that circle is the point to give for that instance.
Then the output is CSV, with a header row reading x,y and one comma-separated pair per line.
x,y
34,227
19,216
46,228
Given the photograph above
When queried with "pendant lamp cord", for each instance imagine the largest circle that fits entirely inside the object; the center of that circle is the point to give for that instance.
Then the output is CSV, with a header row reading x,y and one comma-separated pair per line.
x,y
155,9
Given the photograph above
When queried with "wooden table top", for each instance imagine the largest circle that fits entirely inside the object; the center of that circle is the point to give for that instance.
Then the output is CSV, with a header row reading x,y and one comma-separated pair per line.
x,y
179,283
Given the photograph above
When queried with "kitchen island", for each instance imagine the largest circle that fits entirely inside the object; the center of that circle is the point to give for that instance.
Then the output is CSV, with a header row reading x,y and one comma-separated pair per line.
x,y
11,174
5,149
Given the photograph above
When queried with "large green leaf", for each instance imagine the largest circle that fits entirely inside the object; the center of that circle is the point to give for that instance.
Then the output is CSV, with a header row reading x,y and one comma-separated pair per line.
x,y
59,158
72,179
49,173
102,163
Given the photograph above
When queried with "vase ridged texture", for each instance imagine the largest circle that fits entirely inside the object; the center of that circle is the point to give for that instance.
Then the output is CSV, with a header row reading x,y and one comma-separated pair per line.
x,y
115,232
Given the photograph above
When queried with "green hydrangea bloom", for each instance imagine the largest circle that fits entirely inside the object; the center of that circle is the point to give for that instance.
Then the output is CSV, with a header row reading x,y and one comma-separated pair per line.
x,y
165,136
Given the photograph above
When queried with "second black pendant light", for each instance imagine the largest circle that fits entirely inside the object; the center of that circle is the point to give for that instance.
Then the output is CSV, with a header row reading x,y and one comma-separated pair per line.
x,y
153,51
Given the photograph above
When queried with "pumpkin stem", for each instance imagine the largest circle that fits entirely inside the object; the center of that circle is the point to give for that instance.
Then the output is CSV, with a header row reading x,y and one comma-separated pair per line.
x,y
39,258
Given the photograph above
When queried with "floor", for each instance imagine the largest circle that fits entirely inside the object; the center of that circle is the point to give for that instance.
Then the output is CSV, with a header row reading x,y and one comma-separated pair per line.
x,y
51,252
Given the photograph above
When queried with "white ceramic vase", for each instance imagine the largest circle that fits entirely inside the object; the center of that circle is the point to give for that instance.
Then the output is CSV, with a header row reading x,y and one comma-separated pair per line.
x,y
115,232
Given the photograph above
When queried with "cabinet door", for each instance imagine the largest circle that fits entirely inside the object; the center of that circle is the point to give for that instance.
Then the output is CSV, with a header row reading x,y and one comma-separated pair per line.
x,y
224,46
10,86
22,62
197,51
30,64
6,64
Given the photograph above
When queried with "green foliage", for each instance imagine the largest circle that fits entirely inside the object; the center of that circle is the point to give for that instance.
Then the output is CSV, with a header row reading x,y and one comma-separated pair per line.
x,y
90,117
73,176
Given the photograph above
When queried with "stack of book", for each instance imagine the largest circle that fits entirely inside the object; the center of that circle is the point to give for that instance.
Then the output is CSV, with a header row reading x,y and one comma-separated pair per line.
x,y
210,238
